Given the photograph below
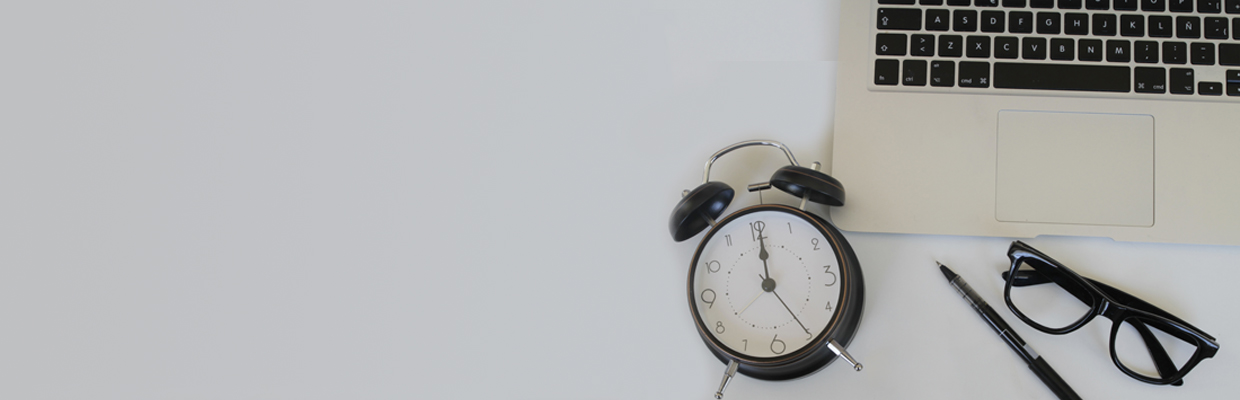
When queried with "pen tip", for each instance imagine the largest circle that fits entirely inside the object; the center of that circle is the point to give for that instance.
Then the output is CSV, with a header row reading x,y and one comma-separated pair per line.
x,y
946,272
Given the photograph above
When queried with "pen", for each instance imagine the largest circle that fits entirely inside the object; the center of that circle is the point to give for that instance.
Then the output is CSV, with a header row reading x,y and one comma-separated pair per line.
x,y
1035,361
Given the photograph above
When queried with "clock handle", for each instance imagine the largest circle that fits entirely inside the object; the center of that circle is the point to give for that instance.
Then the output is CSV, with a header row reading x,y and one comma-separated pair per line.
x,y
839,350
720,153
727,377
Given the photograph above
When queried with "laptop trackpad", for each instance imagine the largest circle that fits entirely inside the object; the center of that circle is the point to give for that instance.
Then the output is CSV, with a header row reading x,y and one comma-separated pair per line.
x,y
1075,168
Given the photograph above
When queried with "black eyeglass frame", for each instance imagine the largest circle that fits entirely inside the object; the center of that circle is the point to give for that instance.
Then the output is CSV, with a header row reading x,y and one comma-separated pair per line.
x,y
1109,302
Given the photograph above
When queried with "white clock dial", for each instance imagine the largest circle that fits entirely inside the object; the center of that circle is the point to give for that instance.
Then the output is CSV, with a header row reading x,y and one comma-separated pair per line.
x,y
766,283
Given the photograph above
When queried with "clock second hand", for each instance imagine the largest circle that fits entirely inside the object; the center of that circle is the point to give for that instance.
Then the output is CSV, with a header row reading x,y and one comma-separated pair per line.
x,y
755,298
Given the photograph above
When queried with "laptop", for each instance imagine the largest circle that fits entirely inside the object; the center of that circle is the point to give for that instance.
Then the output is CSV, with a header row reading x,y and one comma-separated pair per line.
x,y
1021,118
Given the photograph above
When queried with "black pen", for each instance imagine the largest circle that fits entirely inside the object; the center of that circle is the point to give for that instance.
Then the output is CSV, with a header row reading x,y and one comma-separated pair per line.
x,y
1035,361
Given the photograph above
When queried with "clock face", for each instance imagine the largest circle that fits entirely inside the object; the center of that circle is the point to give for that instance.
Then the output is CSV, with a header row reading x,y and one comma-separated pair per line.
x,y
766,283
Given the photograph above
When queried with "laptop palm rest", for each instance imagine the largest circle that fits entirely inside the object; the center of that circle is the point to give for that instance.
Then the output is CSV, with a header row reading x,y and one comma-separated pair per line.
x,y
1075,168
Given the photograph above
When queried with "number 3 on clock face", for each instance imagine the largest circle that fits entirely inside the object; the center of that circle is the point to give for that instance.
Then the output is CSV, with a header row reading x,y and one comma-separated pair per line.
x,y
765,283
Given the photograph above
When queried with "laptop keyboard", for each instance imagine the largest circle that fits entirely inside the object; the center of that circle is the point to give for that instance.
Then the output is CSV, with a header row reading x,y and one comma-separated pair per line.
x,y
1170,49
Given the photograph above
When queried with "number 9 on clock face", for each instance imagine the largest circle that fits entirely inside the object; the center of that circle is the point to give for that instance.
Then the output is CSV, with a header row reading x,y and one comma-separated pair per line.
x,y
766,283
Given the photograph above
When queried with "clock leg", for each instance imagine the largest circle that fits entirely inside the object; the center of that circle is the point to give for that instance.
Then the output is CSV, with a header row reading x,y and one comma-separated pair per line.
x,y
839,351
727,377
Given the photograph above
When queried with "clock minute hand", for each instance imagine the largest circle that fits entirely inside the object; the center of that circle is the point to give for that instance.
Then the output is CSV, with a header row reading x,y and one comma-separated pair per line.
x,y
790,311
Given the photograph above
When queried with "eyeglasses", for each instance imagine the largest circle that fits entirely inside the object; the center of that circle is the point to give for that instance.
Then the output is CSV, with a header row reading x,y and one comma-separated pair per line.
x,y
1159,356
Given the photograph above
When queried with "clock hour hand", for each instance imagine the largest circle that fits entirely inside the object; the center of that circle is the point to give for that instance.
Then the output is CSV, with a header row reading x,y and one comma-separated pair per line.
x,y
763,255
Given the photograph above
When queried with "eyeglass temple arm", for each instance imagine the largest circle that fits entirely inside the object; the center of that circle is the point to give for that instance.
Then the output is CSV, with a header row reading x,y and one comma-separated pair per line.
x,y
1030,277
1162,361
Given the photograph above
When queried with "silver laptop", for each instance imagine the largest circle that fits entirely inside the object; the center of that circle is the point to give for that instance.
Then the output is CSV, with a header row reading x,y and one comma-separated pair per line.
x,y
1020,118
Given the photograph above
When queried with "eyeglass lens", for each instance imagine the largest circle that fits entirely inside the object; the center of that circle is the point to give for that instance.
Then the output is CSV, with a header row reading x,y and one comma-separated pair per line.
x,y
1051,305
1133,352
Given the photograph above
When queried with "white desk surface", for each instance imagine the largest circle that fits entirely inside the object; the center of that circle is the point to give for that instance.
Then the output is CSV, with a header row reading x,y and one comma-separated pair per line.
x,y
257,199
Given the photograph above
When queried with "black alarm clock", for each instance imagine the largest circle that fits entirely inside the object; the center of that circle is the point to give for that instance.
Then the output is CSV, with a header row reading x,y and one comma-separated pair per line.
x,y
775,291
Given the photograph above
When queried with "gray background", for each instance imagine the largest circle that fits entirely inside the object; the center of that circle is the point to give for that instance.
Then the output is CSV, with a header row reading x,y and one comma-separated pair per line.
x,y
263,199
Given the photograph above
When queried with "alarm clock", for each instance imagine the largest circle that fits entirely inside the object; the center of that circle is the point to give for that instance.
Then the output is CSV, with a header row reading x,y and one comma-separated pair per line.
x,y
775,291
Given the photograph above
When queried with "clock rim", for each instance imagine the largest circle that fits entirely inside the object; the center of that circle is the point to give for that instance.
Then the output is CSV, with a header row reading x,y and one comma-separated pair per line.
x,y
848,265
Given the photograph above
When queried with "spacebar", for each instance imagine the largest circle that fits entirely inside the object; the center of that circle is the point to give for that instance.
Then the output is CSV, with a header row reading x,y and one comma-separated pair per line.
x,y
1097,78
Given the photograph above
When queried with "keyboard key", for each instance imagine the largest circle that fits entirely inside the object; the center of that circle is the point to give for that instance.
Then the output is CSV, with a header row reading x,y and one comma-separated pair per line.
x,y
1233,82
1216,28
1202,53
979,46
959,2
1180,5
1089,50
899,19
1098,4
897,1
938,20
1070,4
1182,81
1153,5
931,2
1062,49
1210,88
1209,6
974,74
1161,26
1104,24
922,45
1232,6
964,21
1076,23
1118,50
992,21
1020,22
1048,23
891,44
951,45
1042,3
1150,80
914,73
1187,27
1132,25
1125,5
1145,51
986,3
1175,52
886,72
1007,47
1096,78
1229,54
1014,3
942,73
1033,48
